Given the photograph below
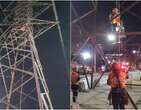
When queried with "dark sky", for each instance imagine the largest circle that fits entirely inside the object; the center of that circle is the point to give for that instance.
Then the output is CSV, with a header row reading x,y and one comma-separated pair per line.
x,y
102,24
98,22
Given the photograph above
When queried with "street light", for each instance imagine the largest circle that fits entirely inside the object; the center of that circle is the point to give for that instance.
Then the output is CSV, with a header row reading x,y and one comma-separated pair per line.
x,y
134,51
109,61
103,68
86,55
117,29
111,37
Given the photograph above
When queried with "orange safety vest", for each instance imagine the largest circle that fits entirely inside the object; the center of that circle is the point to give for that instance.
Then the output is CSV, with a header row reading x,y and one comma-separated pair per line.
x,y
112,80
75,78
116,20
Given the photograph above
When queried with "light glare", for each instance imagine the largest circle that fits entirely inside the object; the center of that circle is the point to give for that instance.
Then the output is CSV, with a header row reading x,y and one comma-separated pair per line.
x,y
86,55
134,51
111,37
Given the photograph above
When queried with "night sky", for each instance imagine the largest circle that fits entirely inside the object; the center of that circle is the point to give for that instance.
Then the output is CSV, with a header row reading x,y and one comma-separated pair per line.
x,y
99,21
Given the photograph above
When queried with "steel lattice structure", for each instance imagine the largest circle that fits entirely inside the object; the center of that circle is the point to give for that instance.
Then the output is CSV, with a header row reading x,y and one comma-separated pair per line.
x,y
20,66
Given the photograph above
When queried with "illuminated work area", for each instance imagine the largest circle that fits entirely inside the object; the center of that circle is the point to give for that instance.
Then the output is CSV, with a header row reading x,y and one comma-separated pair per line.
x,y
109,34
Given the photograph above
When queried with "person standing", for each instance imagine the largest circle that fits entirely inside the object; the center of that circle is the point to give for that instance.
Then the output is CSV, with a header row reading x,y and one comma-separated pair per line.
x,y
75,78
118,93
115,19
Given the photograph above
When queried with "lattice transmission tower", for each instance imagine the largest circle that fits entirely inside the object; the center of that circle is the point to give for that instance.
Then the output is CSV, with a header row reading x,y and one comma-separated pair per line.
x,y
22,82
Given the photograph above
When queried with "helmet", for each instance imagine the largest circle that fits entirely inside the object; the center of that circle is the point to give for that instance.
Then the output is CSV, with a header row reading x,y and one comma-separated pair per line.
x,y
115,10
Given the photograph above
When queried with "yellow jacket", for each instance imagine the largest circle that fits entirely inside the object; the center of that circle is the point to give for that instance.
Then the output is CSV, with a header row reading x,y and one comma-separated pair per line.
x,y
112,80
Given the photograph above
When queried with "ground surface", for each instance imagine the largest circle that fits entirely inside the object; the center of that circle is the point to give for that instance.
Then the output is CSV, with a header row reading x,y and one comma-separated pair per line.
x,y
97,98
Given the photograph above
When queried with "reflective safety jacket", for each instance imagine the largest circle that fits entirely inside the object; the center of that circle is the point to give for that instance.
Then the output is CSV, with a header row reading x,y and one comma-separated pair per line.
x,y
116,20
114,82
115,17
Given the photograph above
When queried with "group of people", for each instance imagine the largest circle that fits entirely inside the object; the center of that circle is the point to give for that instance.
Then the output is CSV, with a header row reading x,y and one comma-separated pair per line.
x,y
118,95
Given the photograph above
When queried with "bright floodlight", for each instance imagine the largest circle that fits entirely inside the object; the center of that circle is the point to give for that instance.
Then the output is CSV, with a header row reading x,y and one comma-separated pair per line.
x,y
127,63
106,57
103,68
117,29
86,55
134,51
111,37
109,61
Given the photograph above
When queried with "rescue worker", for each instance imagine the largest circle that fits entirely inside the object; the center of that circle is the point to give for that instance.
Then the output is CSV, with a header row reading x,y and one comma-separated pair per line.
x,y
118,93
75,78
115,19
